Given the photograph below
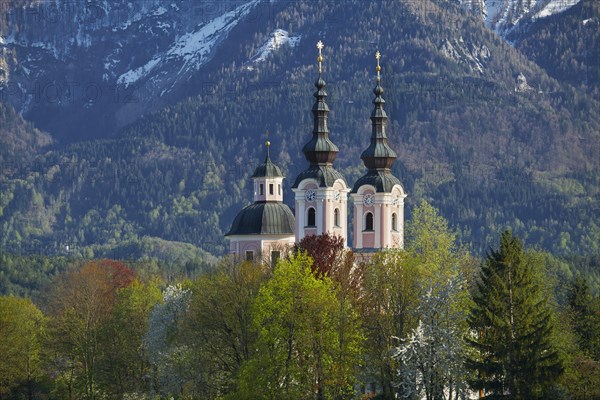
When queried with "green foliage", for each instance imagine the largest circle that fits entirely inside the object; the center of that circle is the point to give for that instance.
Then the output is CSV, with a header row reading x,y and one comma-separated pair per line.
x,y
81,304
387,306
123,360
586,317
397,283
297,319
22,332
219,326
512,351
244,330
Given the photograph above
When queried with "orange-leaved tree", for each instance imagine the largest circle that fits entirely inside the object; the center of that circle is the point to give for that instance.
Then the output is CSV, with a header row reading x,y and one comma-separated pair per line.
x,y
80,305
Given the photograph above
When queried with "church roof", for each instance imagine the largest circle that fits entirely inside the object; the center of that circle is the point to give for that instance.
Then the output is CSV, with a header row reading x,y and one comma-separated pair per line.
x,y
383,181
320,151
263,218
325,175
379,156
267,169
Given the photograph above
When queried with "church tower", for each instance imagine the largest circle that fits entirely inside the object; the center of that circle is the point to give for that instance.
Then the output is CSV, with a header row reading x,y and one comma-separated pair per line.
x,y
321,192
264,229
378,195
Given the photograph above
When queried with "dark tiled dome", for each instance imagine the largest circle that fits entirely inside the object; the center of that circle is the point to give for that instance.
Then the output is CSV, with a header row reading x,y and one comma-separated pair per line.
x,y
325,175
263,218
267,169
383,181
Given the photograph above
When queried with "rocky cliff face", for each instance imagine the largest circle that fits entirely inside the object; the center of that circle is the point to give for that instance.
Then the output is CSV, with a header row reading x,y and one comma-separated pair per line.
x,y
71,59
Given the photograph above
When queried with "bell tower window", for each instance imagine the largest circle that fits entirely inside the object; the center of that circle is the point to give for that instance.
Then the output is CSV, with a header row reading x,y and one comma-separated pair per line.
x,y
336,217
394,222
261,189
311,217
270,188
369,221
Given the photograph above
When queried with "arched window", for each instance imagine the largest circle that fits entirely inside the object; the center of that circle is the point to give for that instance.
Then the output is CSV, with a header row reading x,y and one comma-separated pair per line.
x,y
394,222
311,217
336,217
369,221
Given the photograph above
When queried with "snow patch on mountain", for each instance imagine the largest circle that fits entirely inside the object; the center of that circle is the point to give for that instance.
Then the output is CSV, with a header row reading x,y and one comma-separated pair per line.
x,y
195,47
502,16
134,75
159,11
277,39
471,55
191,50
555,7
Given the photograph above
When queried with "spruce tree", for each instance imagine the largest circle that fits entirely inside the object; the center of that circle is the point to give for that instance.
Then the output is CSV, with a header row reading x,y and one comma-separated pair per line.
x,y
586,317
512,355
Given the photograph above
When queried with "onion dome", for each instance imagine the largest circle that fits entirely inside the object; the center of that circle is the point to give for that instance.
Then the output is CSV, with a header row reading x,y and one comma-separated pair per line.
x,y
379,156
320,151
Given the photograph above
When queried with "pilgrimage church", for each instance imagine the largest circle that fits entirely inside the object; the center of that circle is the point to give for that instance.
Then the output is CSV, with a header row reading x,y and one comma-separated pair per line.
x,y
268,227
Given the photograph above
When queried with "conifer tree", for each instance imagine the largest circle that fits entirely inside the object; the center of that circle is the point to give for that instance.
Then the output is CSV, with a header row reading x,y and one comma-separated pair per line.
x,y
586,319
512,353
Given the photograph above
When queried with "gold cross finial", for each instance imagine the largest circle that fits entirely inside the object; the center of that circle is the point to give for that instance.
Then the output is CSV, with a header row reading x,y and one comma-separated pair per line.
x,y
320,58
378,56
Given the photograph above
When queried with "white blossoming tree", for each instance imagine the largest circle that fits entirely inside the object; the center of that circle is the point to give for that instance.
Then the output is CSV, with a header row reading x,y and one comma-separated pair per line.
x,y
168,358
431,358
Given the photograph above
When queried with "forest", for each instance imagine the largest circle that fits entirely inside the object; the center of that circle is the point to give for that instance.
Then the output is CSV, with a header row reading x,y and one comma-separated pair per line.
x,y
430,321
487,156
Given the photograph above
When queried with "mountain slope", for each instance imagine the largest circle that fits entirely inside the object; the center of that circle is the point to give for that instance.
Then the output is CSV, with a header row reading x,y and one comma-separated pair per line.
x,y
99,66
504,16
480,130
566,45
21,141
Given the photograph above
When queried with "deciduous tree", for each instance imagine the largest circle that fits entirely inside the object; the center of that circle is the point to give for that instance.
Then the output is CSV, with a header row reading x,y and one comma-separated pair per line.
x,y
81,303
218,327
22,329
297,320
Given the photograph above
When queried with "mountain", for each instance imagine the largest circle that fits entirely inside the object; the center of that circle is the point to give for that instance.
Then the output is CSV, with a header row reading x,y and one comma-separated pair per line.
x,y
481,130
566,45
504,16
21,141
100,65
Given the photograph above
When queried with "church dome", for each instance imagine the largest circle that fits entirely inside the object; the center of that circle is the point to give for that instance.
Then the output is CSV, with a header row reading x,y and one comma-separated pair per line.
x,y
263,218
267,170
382,181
